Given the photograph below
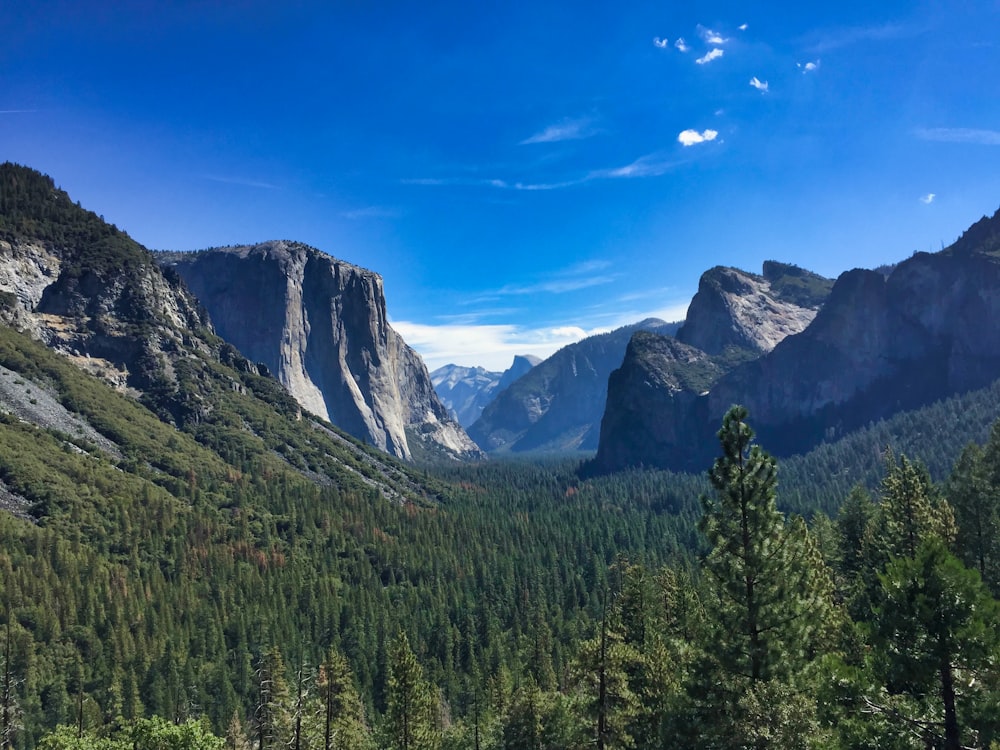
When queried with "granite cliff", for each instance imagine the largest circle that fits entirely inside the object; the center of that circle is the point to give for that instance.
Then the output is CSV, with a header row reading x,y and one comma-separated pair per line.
x,y
734,308
880,344
320,325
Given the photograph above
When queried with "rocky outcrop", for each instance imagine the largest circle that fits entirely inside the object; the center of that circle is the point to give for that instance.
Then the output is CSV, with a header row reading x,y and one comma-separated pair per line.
x,y
733,308
880,344
653,400
557,406
320,325
466,391
87,289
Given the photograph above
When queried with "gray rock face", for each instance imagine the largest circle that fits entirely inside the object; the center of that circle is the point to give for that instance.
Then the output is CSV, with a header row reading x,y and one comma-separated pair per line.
x,y
557,406
733,308
880,344
119,324
466,391
320,326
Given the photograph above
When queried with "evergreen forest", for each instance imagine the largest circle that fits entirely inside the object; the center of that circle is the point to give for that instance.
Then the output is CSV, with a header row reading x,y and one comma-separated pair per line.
x,y
225,600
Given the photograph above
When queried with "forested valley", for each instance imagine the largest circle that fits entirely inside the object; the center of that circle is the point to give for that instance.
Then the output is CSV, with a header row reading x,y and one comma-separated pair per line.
x,y
234,603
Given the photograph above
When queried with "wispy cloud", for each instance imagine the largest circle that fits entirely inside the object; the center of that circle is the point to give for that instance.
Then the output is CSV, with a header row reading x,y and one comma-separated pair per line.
x,y
371,212
743,26
567,130
557,286
17,111
711,37
242,182
650,165
661,43
927,199
713,54
681,45
758,84
808,67
960,135
830,40
692,137
582,275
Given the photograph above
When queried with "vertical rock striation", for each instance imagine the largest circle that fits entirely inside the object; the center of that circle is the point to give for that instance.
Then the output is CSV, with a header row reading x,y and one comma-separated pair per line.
x,y
320,325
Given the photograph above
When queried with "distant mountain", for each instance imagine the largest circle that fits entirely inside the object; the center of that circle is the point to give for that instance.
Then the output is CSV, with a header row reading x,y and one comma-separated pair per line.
x,y
879,345
557,406
319,324
466,391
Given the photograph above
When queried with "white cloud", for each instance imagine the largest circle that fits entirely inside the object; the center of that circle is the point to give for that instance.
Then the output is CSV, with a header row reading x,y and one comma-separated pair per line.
x,y
711,37
661,43
681,45
743,27
489,346
927,199
808,67
691,137
758,84
567,130
494,346
713,54
961,135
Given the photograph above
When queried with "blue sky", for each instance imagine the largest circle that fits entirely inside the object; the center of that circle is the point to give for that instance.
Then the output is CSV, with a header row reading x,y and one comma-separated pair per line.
x,y
521,174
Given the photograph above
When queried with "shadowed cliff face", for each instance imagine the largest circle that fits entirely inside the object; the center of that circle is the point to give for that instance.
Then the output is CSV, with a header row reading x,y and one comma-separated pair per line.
x,y
878,345
557,406
320,325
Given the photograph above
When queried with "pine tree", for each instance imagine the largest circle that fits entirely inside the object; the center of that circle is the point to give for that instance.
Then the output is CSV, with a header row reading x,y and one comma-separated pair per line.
x,y
343,720
412,708
757,564
771,596
911,511
272,718
975,497
607,666
936,639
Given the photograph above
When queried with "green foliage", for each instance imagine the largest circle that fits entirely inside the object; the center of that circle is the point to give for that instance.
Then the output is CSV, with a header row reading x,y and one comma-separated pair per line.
x,y
796,285
934,630
141,734
31,207
411,714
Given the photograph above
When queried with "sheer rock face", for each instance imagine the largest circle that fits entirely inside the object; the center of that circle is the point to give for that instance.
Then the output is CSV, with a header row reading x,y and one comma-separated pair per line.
x,y
320,325
879,344
736,308
653,405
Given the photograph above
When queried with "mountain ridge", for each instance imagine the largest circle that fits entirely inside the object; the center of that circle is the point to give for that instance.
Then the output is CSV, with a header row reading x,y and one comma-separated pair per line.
x,y
880,344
